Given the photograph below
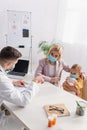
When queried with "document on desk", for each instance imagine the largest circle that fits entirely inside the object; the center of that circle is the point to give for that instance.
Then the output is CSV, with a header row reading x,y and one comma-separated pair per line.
x,y
29,86
22,88
59,109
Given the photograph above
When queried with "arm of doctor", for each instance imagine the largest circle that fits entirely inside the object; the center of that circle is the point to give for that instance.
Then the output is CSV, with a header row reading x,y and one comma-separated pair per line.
x,y
21,83
11,94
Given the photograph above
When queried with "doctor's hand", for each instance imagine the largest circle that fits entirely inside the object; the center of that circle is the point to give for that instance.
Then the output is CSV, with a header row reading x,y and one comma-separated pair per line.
x,y
19,83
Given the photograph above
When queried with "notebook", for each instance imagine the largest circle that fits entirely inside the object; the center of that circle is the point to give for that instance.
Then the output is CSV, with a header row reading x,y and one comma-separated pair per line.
x,y
59,109
21,68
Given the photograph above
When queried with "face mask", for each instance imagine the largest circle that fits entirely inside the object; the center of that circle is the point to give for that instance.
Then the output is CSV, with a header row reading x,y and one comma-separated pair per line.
x,y
7,71
74,76
52,59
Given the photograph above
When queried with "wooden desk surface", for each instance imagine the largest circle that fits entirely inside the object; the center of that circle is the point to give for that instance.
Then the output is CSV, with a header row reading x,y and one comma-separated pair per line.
x,y
34,116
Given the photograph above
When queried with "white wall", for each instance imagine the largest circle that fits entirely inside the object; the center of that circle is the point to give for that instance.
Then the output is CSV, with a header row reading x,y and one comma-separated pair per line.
x,y
72,21
72,31
44,15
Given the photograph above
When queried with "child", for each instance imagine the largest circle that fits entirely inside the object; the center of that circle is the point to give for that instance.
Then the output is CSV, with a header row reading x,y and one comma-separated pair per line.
x,y
74,83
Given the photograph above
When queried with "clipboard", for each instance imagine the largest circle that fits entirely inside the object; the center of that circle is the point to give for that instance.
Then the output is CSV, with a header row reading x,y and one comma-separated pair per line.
x,y
59,109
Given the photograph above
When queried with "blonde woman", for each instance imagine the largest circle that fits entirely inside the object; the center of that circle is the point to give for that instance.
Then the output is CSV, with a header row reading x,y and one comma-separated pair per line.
x,y
52,66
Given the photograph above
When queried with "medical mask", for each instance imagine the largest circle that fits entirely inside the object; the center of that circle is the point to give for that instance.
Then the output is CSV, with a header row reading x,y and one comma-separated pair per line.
x,y
74,76
7,71
52,59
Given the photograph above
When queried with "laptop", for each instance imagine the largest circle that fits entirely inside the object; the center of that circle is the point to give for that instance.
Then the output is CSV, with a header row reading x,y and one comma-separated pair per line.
x,y
21,68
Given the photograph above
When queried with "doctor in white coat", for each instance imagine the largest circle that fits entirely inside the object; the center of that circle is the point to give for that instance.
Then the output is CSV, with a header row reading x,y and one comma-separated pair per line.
x,y
8,58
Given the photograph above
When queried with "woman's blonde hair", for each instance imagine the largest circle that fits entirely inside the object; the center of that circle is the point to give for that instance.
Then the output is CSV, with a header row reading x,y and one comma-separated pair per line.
x,y
56,48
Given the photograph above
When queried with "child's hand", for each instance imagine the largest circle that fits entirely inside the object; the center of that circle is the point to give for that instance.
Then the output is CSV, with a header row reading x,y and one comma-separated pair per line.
x,y
71,81
67,87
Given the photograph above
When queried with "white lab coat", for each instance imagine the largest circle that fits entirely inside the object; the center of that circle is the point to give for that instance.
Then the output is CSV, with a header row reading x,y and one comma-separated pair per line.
x,y
11,94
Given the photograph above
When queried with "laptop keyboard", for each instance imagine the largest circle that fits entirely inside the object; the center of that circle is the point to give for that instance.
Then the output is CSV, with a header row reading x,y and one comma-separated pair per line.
x,y
17,73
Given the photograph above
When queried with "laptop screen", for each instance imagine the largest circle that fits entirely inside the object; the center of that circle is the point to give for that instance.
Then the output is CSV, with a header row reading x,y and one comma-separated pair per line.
x,y
21,66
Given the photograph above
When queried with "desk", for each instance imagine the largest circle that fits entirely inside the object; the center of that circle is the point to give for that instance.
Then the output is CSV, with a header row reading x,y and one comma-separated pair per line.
x,y
34,117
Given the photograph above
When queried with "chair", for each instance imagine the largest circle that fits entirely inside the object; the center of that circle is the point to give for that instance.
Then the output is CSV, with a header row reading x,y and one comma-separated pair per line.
x,y
84,91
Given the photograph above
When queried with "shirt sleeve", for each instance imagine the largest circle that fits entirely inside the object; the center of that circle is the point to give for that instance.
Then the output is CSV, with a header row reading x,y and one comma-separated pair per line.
x,y
11,94
66,67
39,69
